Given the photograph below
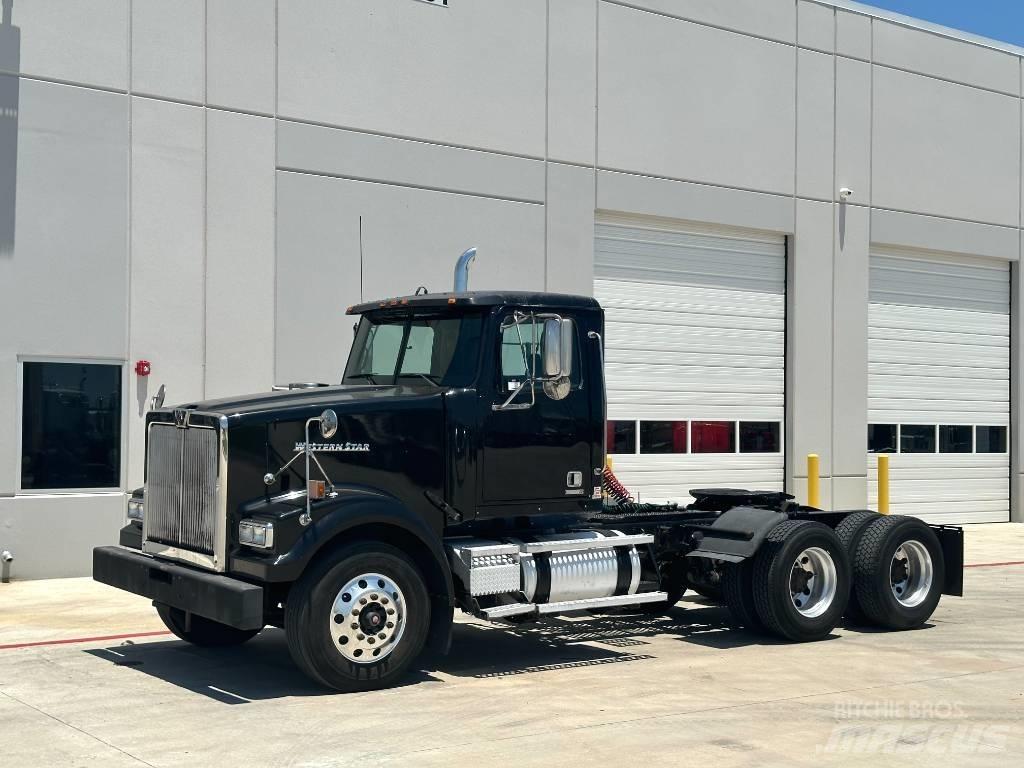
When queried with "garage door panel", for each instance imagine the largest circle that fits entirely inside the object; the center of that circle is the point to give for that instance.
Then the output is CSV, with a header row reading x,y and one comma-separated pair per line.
x,y
694,330
939,353
672,357
904,368
663,479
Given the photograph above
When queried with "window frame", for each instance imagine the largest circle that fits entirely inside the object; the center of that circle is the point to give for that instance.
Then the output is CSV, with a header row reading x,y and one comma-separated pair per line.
x,y
689,436
122,438
938,439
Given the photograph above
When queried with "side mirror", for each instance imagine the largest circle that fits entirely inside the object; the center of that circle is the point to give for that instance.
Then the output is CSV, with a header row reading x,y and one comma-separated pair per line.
x,y
558,351
158,398
328,424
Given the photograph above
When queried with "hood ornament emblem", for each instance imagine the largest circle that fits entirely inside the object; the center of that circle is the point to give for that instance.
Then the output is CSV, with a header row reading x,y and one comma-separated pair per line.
x,y
181,418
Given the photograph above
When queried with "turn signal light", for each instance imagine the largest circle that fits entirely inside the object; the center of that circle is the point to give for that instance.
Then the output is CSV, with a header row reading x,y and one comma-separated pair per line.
x,y
317,489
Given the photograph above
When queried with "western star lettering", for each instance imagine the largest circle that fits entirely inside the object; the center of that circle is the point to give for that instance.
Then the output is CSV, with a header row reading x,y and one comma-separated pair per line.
x,y
334,447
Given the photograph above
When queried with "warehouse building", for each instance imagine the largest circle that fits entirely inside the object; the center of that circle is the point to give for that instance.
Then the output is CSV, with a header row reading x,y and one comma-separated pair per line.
x,y
802,217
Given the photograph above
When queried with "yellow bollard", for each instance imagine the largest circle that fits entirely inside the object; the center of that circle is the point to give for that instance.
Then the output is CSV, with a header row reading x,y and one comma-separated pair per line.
x,y
883,484
813,481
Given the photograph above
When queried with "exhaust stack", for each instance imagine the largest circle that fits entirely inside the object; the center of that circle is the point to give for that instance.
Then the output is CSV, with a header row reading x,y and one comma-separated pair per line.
x,y
462,270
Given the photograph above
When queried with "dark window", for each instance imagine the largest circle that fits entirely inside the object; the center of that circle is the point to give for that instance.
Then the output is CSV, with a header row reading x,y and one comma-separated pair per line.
x,y
662,437
713,437
955,438
881,438
621,436
759,437
917,438
991,439
71,426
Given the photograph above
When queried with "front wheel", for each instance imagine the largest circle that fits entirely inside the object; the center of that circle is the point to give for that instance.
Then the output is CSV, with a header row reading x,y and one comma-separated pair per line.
x,y
358,619
201,631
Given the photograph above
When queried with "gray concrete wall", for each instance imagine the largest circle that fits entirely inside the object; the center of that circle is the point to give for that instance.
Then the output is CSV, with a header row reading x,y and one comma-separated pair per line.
x,y
274,162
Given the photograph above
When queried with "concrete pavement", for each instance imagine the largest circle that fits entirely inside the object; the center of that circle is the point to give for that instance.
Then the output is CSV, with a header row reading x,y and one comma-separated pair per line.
x,y
671,690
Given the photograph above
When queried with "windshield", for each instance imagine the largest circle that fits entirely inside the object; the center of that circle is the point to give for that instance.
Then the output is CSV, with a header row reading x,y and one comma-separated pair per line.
x,y
415,349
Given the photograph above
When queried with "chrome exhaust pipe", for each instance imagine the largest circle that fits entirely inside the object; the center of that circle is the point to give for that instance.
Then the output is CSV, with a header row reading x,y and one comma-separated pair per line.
x,y
462,270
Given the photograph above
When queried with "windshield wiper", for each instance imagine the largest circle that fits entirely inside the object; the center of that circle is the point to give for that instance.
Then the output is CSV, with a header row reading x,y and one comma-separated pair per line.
x,y
432,378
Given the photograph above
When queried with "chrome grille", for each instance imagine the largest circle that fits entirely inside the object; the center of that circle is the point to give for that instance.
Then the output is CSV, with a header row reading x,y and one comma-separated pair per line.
x,y
181,487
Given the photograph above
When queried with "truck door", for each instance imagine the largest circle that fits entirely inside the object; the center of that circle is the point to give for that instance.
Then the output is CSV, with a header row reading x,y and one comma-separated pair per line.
x,y
539,453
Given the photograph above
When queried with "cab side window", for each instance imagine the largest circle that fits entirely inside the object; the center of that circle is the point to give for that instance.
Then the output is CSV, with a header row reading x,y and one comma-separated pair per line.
x,y
519,351
522,351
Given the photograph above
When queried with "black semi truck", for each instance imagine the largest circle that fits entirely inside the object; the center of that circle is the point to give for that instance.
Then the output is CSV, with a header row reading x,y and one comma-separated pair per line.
x,y
461,464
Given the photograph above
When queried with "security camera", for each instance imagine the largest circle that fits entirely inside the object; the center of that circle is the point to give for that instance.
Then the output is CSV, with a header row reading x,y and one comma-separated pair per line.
x,y
845,193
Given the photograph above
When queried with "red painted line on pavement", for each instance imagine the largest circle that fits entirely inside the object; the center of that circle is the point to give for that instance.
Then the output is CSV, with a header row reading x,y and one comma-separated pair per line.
x,y
81,640
994,565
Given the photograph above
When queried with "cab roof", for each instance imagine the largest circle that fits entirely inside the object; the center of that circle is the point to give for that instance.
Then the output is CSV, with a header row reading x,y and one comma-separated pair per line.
x,y
478,299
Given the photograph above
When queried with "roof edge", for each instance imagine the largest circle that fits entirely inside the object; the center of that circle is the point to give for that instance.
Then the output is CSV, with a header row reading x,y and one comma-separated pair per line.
x,y
913,22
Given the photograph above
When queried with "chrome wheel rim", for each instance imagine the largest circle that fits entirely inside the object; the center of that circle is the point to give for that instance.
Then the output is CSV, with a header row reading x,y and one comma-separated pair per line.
x,y
911,573
812,582
368,618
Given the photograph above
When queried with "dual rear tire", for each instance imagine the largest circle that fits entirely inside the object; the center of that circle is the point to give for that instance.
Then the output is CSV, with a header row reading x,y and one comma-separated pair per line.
x,y
885,570
796,585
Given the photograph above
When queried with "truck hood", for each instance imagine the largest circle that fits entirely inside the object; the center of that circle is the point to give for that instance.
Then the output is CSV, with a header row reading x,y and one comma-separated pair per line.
x,y
291,402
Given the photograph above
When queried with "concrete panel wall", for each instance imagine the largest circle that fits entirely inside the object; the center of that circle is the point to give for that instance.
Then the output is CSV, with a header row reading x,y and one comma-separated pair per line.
x,y
930,54
569,252
815,128
168,289
53,536
223,244
572,80
241,51
849,349
472,74
340,241
239,353
83,42
853,128
773,20
169,48
809,382
654,115
945,149
853,35
816,26
69,197
356,155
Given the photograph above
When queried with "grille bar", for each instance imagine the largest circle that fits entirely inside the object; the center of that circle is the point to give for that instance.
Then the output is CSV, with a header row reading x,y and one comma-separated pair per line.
x,y
182,487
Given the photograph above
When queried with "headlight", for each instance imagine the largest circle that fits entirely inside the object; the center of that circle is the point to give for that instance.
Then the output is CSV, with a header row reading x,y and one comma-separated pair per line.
x,y
135,509
256,533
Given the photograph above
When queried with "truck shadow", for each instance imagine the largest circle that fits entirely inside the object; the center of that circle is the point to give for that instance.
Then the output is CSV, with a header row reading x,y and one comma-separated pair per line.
x,y
262,669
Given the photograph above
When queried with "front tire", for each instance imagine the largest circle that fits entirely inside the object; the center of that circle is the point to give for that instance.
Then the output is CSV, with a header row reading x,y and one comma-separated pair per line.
x,y
801,580
201,631
898,572
357,620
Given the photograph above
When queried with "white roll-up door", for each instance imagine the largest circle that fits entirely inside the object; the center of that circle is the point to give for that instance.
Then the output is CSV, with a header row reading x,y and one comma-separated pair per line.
x,y
939,384
695,364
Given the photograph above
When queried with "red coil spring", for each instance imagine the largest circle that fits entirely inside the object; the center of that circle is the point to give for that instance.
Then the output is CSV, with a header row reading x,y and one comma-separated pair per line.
x,y
613,488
